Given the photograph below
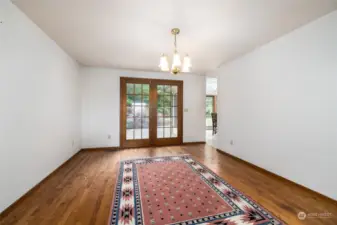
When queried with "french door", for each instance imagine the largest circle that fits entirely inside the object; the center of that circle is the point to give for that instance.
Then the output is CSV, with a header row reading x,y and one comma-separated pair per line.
x,y
151,112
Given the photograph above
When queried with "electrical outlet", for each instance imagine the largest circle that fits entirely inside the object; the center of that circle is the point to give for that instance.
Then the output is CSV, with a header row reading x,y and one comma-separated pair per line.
x,y
73,142
232,142
109,136
186,110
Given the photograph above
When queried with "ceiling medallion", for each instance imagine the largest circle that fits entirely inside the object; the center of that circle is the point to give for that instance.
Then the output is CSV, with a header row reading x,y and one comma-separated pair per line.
x,y
177,66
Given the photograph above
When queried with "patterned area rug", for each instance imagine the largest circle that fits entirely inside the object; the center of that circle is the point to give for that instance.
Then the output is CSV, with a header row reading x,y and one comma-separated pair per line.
x,y
179,190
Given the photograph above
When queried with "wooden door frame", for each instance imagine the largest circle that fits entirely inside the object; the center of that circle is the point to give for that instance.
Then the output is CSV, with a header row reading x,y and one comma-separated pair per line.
x,y
152,113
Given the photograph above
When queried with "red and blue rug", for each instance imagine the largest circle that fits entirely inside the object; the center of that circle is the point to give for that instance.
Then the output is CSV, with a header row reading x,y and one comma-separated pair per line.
x,y
179,190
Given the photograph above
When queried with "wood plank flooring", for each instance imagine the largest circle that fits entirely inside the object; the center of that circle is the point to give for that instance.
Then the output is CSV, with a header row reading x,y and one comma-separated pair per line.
x,y
80,193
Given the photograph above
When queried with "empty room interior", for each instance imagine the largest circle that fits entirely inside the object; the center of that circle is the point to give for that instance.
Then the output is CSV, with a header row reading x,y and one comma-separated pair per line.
x,y
168,112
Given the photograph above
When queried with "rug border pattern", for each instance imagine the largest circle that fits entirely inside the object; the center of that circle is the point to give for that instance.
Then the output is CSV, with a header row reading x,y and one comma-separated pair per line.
x,y
137,202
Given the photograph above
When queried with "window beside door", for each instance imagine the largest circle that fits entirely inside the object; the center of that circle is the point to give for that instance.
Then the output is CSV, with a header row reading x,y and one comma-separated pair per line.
x,y
210,108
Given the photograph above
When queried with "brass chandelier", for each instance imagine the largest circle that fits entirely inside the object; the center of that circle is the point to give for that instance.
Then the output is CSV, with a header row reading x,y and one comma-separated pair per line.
x,y
177,66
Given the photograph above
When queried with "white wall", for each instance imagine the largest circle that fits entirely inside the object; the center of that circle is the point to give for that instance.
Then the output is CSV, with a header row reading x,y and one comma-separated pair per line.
x,y
101,99
211,86
279,106
39,105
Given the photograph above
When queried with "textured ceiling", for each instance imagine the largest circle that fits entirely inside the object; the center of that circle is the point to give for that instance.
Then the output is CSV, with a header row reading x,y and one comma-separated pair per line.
x,y
132,34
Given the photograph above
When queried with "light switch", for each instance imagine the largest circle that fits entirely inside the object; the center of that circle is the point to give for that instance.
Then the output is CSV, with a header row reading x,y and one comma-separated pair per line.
x,y
186,110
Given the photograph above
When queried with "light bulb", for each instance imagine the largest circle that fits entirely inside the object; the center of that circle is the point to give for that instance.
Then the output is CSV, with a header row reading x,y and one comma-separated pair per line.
x,y
187,61
176,60
163,65
187,64
186,69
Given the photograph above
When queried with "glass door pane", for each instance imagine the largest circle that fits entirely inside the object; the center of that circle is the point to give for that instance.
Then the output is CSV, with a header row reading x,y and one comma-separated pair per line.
x,y
137,113
167,114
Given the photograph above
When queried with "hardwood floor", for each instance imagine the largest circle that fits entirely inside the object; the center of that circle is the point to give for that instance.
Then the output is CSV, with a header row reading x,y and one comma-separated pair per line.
x,y
80,193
